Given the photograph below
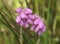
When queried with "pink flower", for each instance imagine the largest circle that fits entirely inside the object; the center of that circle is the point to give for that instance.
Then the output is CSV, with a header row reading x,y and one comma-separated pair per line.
x,y
25,18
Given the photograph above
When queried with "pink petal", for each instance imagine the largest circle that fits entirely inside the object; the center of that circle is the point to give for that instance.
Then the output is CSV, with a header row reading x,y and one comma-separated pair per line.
x,y
30,21
18,10
18,19
36,16
26,25
27,11
32,28
39,33
41,24
21,23
37,29
31,16
44,29
36,21
23,15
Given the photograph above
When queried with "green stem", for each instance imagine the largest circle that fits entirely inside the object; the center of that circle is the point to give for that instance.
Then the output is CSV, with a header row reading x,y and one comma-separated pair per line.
x,y
36,6
21,38
46,37
43,8
54,24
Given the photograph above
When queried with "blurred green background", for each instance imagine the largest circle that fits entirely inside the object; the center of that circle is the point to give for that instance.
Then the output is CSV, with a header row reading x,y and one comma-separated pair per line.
x,y
11,33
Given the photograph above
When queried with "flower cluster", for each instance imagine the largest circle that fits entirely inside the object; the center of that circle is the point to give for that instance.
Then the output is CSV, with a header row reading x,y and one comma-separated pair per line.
x,y
26,17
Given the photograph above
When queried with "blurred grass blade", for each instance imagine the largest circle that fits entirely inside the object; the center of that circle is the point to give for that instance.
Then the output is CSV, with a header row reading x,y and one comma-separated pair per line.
x,y
35,6
7,9
46,36
27,4
26,38
5,38
12,21
8,24
21,37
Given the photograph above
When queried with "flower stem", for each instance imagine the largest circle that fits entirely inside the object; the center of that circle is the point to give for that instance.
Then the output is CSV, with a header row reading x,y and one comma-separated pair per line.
x,y
21,38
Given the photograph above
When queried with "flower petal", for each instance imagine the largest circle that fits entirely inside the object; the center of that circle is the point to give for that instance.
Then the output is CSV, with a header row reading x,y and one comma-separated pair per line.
x,y
21,23
26,25
23,15
30,21
31,16
18,10
39,33
37,29
32,28
36,16
44,29
18,19
27,11
36,21
41,24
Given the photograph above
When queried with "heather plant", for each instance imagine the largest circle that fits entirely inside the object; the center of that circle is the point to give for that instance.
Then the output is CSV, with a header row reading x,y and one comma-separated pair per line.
x,y
26,17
